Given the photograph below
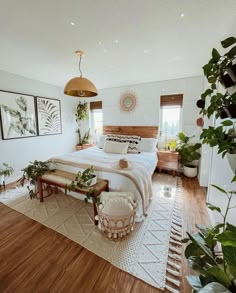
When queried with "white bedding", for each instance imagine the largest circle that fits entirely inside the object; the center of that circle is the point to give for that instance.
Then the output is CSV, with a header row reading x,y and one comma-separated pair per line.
x,y
145,161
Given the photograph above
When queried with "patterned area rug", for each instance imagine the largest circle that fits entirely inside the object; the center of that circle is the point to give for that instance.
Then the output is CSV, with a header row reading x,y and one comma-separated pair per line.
x,y
152,252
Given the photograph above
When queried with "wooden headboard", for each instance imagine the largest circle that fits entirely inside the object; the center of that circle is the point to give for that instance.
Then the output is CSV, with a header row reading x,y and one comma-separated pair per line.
x,y
143,131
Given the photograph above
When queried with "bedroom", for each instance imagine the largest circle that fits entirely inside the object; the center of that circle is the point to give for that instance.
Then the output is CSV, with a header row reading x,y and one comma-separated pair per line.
x,y
149,50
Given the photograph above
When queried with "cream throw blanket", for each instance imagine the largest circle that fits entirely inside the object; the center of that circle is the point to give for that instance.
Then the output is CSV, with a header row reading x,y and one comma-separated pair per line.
x,y
136,172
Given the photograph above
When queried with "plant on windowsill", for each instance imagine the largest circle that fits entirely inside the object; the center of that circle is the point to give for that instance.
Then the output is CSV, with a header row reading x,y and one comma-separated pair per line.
x,y
83,139
188,154
31,174
212,253
87,178
5,171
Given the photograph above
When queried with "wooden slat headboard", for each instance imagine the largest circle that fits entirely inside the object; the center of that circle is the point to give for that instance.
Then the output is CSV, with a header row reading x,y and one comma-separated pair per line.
x,y
143,131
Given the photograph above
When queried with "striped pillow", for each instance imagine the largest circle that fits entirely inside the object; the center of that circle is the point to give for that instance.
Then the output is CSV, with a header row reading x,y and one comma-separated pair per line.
x,y
133,141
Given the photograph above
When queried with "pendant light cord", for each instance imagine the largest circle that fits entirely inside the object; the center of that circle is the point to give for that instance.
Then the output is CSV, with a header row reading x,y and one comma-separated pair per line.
x,y
79,66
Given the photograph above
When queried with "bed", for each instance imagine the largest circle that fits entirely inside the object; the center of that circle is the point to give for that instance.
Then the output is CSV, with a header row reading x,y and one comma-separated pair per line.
x,y
136,178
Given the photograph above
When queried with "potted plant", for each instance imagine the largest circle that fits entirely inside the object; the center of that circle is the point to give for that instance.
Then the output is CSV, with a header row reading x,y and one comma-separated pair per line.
x,y
84,179
188,154
172,145
5,171
81,111
221,69
32,172
83,140
211,252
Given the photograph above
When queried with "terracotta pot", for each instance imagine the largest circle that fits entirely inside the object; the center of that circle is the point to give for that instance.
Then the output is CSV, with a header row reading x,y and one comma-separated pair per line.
x,y
200,122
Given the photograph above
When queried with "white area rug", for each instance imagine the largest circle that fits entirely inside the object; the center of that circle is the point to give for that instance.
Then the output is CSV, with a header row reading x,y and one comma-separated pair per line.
x,y
151,252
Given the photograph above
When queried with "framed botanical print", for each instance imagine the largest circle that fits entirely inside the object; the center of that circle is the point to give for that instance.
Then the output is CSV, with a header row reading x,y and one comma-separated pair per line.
x,y
49,116
18,119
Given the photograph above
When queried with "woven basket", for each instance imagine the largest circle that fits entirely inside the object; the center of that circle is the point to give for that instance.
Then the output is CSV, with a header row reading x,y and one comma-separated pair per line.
x,y
116,228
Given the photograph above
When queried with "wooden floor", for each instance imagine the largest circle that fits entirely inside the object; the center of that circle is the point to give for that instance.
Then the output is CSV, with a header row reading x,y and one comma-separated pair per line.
x,y
36,259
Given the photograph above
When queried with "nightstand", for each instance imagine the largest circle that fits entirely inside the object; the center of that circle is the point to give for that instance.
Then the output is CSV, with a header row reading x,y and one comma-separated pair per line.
x,y
168,161
84,146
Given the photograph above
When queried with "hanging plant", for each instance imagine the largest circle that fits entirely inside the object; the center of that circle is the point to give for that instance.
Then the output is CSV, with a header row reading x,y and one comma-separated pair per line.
x,y
81,111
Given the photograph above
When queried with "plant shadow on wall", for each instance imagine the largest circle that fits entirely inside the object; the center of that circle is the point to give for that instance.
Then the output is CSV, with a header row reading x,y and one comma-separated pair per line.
x,y
212,251
21,121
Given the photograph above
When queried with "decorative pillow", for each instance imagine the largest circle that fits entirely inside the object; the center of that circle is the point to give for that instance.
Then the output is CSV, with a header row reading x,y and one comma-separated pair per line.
x,y
148,145
101,141
133,141
115,147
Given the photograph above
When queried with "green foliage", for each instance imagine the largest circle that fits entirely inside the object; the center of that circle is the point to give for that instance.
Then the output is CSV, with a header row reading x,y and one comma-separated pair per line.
x,y
188,152
6,170
212,253
82,180
21,123
221,136
85,138
32,172
81,111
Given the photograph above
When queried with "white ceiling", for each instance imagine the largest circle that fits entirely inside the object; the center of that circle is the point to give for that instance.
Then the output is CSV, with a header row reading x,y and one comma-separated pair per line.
x,y
37,39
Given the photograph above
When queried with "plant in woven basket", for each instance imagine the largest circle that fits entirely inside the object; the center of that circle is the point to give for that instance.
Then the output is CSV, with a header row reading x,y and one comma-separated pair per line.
x,y
32,172
212,253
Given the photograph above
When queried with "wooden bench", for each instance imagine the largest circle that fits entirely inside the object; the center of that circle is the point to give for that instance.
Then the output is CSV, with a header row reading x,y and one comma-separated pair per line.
x,y
62,178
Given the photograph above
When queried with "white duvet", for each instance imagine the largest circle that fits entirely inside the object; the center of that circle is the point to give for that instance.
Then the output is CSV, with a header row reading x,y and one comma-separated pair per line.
x,y
141,169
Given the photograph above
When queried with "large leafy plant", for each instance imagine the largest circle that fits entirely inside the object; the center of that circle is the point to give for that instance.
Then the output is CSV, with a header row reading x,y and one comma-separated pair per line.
x,y
188,152
32,172
211,252
81,111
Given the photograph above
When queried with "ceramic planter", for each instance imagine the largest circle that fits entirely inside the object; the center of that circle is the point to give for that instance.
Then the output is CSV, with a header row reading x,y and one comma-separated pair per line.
x,y
226,81
190,171
232,161
2,179
232,72
91,181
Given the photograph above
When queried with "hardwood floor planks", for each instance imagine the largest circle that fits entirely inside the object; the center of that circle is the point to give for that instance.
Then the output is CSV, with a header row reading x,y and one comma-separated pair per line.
x,y
36,259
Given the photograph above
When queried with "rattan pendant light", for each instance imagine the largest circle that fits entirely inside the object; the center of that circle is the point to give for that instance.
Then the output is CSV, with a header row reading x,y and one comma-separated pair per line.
x,y
80,86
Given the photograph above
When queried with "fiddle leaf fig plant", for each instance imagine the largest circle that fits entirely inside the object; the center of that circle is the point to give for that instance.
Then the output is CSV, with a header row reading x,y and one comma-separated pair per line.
x,y
211,252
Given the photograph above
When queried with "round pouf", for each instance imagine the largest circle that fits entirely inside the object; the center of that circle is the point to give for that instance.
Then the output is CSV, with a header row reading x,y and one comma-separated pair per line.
x,y
116,214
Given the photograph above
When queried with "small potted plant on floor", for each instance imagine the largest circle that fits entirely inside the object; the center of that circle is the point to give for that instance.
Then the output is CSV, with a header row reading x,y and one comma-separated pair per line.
x,y
188,154
32,172
5,171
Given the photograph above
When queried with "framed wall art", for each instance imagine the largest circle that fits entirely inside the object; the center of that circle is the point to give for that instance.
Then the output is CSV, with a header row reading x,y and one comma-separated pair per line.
x,y
18,119
49,116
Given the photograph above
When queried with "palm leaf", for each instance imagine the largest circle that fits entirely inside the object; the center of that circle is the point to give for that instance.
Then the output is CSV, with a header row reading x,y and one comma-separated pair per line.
x,y
50,117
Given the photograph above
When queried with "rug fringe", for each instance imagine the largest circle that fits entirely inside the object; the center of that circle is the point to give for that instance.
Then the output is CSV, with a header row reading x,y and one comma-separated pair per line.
x,y
173,281
172,290
175,239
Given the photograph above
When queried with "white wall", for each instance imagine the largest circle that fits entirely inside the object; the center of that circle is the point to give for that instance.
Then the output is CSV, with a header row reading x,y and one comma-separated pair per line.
x,y
18,152
147,110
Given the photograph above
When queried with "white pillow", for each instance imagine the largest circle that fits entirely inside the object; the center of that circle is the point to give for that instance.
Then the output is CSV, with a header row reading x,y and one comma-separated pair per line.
x,y
101,141
115,147
148,145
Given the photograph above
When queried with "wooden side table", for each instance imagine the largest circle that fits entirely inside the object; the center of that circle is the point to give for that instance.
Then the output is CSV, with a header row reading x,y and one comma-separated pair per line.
x,y
168,161
62,178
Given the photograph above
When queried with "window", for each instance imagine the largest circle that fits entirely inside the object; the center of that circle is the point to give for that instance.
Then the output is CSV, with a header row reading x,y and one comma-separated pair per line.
x,y
96,118
170,115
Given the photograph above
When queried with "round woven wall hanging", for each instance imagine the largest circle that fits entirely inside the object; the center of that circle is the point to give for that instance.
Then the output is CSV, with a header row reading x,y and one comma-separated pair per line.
x,y
128,101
